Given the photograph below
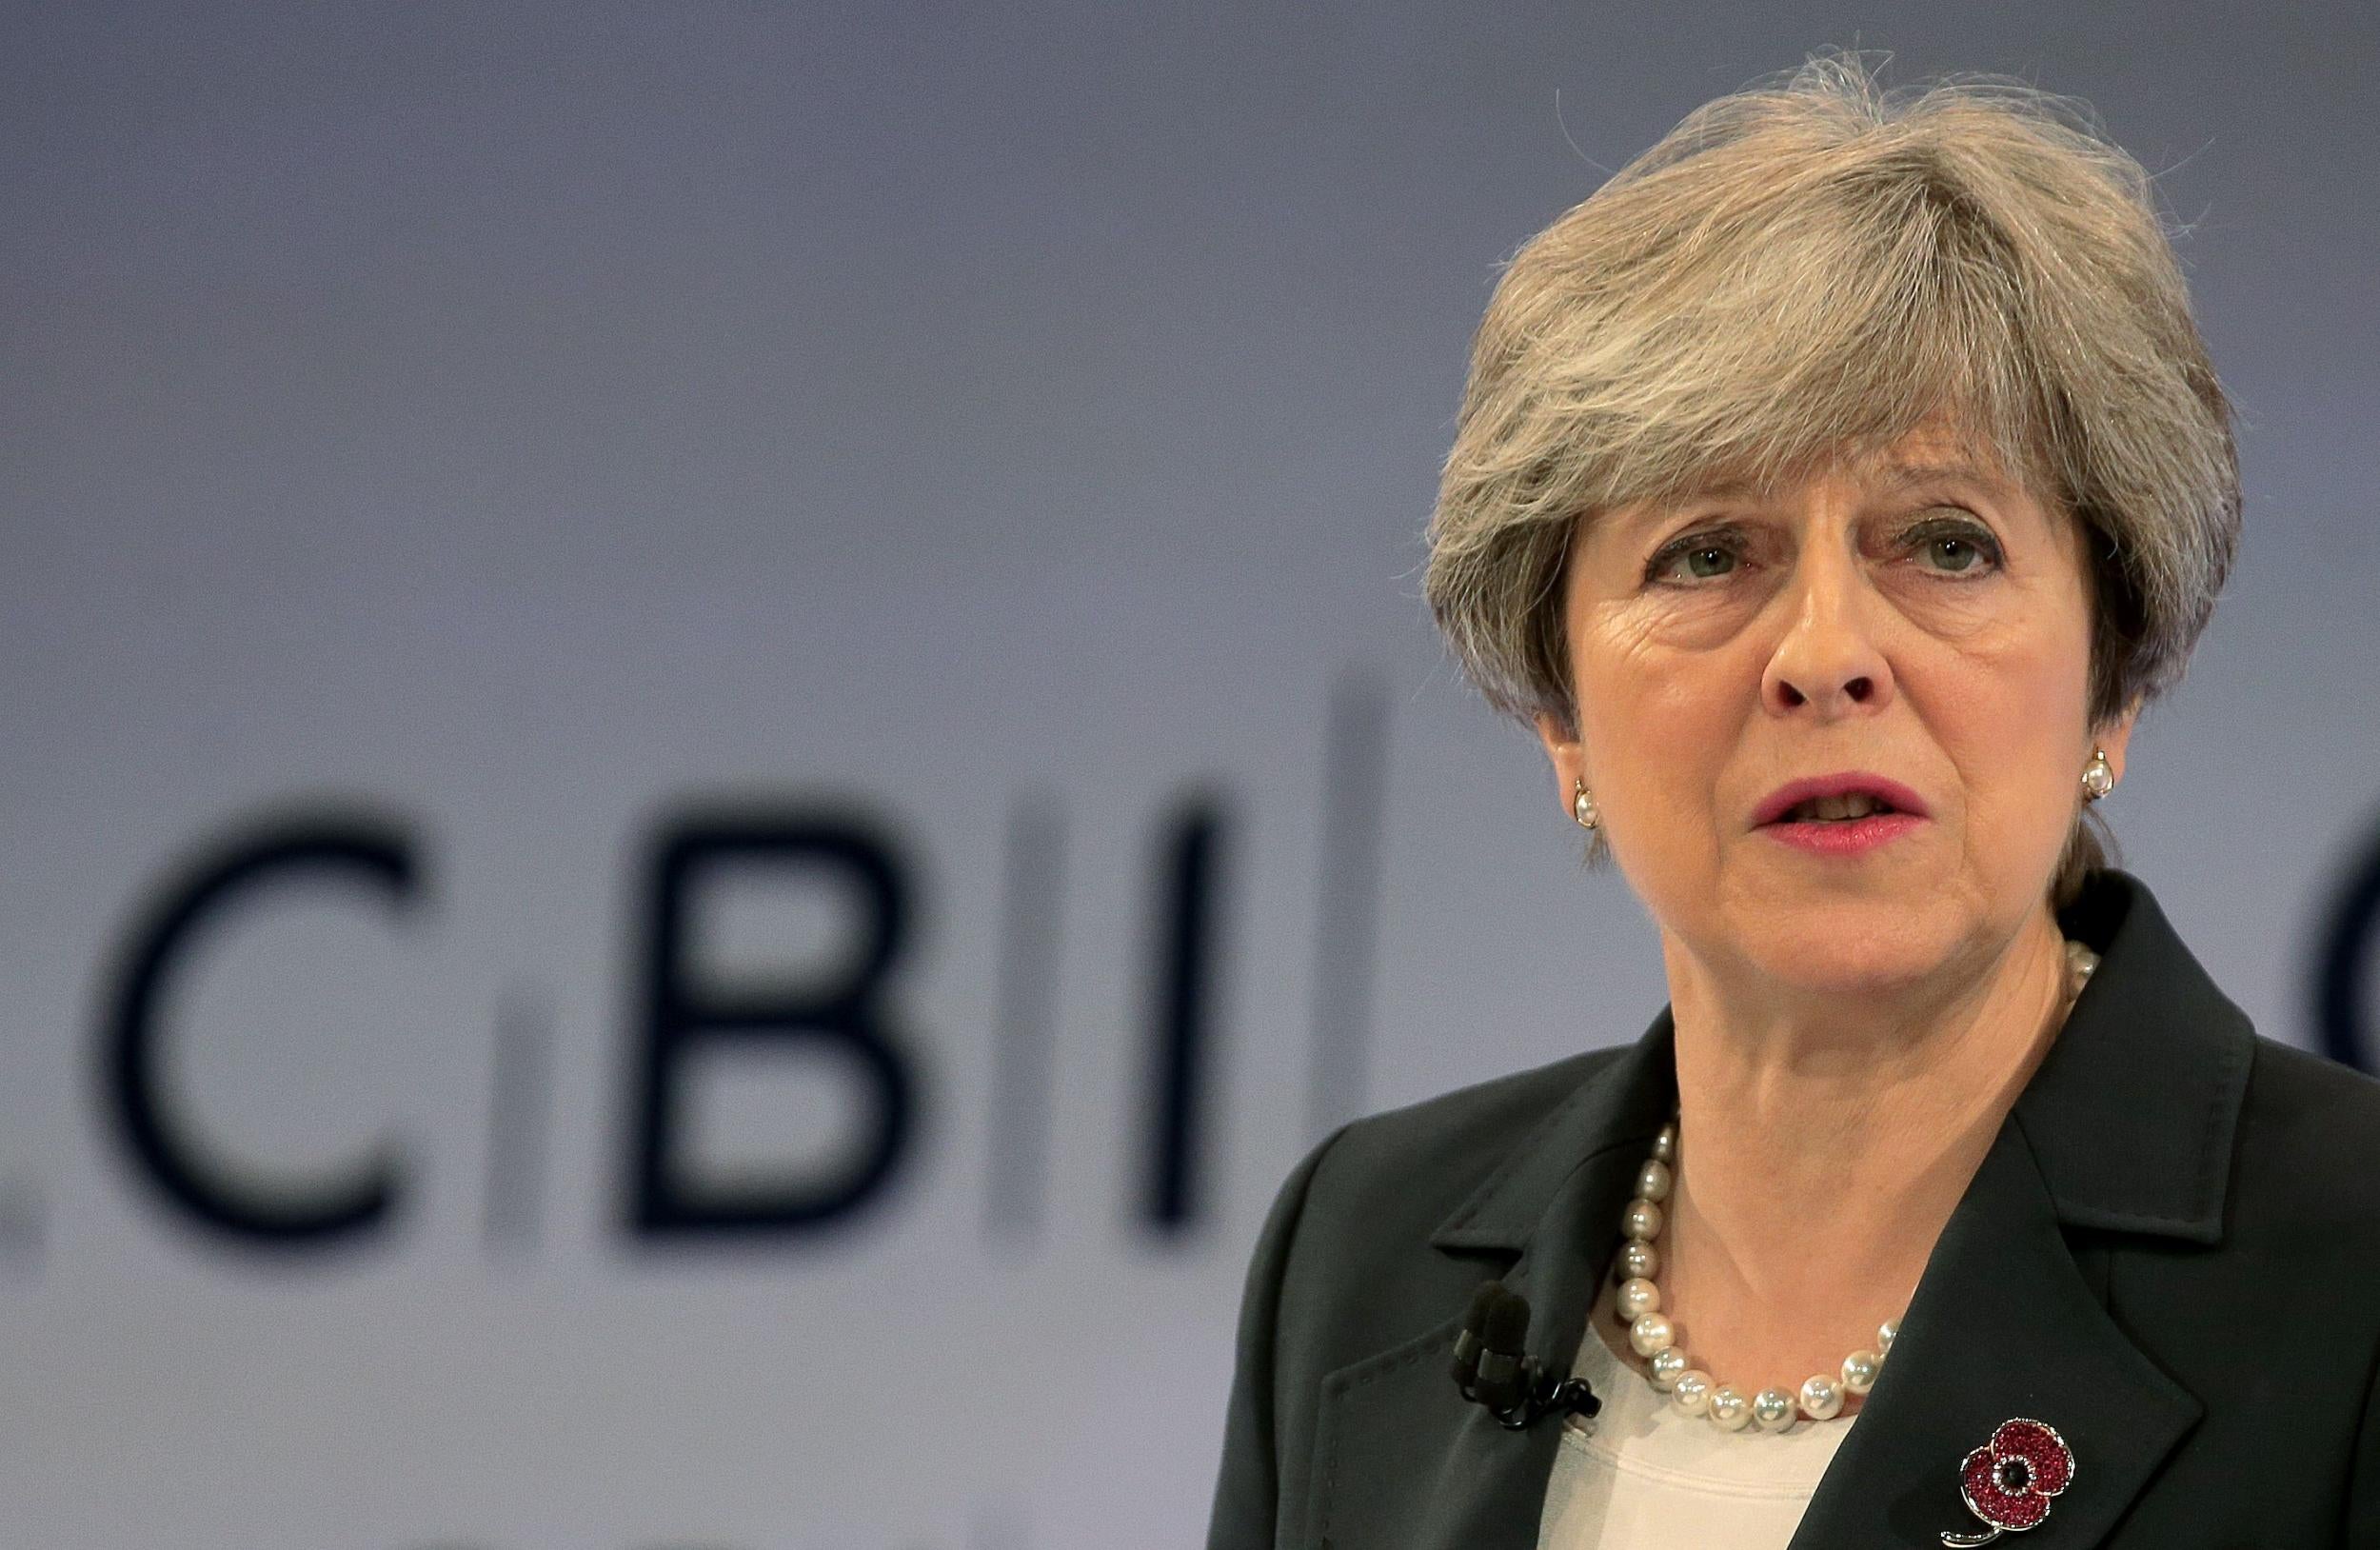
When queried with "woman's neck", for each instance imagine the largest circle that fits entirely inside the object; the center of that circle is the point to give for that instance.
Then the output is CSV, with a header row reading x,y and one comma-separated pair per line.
x,y
1822,1147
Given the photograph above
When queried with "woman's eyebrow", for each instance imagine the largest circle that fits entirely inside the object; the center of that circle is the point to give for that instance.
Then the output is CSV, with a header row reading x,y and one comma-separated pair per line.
x,y
1901,474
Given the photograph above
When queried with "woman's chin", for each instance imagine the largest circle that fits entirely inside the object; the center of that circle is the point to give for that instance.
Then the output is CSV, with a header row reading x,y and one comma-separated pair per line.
x,y
1848,952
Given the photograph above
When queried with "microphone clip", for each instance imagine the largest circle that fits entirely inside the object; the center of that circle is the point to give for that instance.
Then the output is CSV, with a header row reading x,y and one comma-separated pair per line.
x,y
1492,1367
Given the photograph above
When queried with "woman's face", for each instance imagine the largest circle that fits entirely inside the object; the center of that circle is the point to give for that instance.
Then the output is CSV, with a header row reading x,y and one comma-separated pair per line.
x,y
1915,616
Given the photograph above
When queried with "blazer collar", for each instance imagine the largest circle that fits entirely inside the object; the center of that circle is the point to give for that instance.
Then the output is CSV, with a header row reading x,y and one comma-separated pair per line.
x,y
2127,1126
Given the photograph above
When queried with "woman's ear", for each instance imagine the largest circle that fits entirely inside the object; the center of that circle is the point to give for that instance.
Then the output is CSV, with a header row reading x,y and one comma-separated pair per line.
x,y
1563,750
2114,739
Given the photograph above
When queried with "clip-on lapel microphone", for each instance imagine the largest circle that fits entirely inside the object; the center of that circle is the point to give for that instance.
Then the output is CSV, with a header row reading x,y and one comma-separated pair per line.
x,y
1493,1368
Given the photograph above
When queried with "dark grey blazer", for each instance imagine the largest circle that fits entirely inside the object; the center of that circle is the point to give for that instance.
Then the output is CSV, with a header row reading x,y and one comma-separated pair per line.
x,y
2171,1254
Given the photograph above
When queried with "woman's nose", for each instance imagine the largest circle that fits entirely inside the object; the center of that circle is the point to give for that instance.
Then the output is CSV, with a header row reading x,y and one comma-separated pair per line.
x,y
1827,662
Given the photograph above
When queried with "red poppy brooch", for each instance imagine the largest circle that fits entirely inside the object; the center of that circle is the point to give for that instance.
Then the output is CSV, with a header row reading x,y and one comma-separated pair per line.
x,y
2008,1480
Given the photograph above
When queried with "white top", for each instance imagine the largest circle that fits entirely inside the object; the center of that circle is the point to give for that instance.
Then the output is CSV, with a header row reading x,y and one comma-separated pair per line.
x,y
1642,1476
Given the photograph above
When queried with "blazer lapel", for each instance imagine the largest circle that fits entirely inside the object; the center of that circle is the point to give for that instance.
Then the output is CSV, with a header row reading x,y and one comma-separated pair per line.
x,y
1493,1493
2126,1127
1558,1203
2003,1324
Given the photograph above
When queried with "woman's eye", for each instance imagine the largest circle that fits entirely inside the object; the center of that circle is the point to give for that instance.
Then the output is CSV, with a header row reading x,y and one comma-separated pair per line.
x,y
1956,550
1692,559
1952,548
1954,554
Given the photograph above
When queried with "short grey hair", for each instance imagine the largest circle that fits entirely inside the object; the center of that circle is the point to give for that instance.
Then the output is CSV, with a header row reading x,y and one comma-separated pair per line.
x,y
1814,266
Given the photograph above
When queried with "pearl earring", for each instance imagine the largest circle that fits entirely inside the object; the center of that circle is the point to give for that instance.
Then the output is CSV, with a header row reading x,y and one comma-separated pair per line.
x,y
2097,779
1582,808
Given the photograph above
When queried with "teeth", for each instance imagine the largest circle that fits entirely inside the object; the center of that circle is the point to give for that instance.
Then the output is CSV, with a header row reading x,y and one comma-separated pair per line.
x,y
1856,805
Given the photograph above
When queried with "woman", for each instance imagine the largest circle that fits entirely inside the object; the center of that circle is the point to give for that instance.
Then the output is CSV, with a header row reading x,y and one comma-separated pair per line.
x,y
1832,491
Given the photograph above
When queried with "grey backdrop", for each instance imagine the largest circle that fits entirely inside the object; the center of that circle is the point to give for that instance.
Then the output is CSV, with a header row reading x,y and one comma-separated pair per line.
x,y
503,426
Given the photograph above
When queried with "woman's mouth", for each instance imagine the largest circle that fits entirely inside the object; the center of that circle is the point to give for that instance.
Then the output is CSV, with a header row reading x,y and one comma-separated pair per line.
x,y
1845,809
1841,825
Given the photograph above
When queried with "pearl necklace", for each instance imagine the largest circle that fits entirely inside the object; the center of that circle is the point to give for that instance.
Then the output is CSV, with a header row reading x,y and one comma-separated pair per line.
x,y
1635,1303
